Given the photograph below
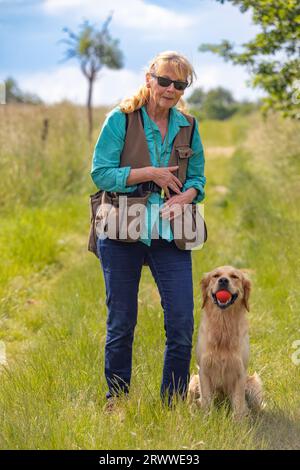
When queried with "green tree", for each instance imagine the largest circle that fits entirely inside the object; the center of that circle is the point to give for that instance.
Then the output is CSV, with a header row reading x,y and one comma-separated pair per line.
x,y
15,95
219,104
197,97
93,49
273,56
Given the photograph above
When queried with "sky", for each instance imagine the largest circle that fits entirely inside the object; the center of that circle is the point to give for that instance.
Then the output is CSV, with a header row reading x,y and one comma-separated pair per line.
x,y
31,51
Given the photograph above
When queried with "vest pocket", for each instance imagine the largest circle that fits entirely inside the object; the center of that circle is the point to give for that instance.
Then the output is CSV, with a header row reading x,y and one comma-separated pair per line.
x,y
189,229
184,151
120,217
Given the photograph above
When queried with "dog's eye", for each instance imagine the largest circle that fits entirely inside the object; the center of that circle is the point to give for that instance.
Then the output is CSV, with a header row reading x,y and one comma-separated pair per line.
x,y
216,275
233,276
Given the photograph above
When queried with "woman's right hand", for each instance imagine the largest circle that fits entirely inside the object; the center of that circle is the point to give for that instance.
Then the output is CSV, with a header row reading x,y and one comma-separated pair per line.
x,y
164,178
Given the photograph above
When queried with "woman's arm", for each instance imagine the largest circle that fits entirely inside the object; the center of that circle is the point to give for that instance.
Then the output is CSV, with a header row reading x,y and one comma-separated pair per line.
x,y
140,175
195,171
106,171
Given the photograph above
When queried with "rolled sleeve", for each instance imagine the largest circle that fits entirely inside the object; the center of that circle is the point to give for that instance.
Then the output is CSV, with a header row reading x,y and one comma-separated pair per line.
x,y
106,171
121,178
195,171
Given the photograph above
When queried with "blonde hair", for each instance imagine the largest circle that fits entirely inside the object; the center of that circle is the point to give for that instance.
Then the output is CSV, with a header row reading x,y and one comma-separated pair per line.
x,y
183,69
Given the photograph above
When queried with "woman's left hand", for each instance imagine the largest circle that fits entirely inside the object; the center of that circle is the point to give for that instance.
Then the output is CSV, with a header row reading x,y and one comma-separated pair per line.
x,y
173,207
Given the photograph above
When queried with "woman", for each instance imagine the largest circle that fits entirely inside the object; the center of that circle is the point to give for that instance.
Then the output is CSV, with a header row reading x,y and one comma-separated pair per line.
x,y
166,79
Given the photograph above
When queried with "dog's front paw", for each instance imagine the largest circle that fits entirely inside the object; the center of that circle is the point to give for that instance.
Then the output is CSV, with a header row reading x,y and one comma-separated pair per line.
x,y
239,415
194,389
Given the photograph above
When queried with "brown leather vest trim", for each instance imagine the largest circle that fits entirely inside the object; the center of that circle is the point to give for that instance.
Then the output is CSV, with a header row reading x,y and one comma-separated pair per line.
x,y
135,152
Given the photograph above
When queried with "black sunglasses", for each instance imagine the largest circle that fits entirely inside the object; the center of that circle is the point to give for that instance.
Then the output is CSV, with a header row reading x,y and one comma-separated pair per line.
x,y
165,82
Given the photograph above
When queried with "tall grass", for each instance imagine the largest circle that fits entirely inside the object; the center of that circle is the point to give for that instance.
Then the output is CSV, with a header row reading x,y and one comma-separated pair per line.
x,y
43,201
44,153
53,309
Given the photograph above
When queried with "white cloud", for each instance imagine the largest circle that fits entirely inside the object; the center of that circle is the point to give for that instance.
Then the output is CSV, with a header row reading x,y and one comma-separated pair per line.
x,y
152,19
54,6
67,82
228,76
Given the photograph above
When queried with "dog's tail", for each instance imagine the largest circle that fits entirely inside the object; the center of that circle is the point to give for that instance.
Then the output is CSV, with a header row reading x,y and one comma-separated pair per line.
x,y
254,392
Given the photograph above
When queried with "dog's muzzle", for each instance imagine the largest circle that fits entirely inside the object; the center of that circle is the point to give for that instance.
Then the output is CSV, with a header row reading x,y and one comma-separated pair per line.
x,y
225,304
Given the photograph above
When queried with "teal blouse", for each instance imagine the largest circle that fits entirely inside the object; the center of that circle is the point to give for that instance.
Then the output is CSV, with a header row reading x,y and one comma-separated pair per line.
x,y
109,176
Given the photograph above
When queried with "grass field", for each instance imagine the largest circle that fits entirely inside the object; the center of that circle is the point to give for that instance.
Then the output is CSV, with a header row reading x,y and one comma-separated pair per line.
x,y
52,297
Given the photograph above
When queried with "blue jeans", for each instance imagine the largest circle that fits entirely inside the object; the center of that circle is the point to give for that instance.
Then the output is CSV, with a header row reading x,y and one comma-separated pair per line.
x,y
172,270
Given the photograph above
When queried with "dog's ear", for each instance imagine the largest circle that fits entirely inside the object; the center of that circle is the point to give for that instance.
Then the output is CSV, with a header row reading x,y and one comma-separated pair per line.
x,y
204,285
247,290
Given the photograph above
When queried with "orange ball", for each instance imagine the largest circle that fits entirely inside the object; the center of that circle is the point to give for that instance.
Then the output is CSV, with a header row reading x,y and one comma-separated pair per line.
x,y
223,295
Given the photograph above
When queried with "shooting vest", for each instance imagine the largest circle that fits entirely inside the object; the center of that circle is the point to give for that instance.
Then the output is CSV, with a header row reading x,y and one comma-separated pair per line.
x,y
136,154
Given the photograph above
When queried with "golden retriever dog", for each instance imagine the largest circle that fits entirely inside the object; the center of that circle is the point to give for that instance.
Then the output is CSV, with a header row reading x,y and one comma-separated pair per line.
x,y
223,344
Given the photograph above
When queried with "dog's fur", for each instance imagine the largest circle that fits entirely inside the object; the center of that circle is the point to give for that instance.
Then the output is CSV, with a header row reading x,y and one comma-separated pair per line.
x,y
223,345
